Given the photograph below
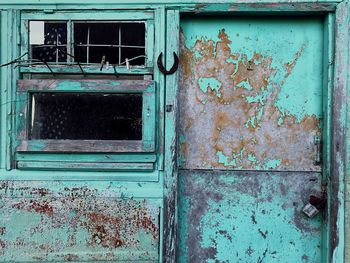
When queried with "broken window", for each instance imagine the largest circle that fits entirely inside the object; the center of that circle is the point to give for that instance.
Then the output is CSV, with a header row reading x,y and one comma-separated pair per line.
x,y
86,116
112,42
116,43
48,41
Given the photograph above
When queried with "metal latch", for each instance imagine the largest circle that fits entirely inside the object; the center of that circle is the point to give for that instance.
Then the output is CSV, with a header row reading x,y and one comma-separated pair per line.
x,y
317,142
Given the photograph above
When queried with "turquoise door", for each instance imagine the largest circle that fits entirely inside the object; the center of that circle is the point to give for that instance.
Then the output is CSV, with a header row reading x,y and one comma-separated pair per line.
x,y
250,111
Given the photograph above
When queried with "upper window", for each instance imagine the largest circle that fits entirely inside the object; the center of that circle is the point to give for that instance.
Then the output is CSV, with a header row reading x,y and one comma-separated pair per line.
x,y
97,44
102,42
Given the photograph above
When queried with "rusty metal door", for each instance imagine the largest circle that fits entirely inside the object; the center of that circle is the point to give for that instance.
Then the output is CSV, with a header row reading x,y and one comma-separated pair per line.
x,y
250,115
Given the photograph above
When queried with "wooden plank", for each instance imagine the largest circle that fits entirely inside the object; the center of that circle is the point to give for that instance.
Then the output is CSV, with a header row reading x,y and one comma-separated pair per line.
x,y
143,3
84,166
159,46
170,157
91,15
92,146
327,122
88,157
338,148
127,86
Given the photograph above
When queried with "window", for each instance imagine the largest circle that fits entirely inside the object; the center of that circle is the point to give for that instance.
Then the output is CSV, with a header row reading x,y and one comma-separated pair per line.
x,y
66,120
100,118
85,116
113,42
99,43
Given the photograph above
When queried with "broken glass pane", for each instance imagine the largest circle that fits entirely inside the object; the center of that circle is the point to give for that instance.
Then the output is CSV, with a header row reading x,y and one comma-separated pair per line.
x,y
133,34
110,54
48,40
86,116
116,41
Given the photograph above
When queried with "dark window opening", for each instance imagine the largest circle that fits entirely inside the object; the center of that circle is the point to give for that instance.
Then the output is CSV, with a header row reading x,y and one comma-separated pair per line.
x,y
86,116
48,41
115,42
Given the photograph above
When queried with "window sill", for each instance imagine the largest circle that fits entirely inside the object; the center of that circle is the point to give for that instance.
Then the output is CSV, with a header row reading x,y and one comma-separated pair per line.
x,y
30,175
85,146
74,69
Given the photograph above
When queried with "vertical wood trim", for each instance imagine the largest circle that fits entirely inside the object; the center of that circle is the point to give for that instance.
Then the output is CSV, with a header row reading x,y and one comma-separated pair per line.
x,y
328,62
159,46
3,59
337,168
170,173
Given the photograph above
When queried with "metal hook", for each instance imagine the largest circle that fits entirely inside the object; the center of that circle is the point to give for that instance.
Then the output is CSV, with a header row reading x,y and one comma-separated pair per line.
x,y
163,69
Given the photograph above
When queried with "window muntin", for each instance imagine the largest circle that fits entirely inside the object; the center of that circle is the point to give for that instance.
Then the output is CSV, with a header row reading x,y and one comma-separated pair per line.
x,y
86,116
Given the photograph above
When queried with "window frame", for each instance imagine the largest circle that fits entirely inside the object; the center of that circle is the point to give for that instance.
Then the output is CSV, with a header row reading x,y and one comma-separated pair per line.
x,y
107,16
93,149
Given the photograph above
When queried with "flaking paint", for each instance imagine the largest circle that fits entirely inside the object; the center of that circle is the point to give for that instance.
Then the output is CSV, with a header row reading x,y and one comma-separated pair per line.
x,y
240,96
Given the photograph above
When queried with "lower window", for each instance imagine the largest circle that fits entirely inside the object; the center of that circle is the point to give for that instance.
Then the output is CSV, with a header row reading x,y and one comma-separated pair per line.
x,y
56,117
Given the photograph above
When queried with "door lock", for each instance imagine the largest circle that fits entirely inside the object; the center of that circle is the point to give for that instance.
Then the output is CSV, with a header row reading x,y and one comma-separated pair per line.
x,y
314,206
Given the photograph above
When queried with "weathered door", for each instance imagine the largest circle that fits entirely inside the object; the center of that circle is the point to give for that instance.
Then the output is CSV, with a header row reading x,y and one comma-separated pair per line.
x,y
250,108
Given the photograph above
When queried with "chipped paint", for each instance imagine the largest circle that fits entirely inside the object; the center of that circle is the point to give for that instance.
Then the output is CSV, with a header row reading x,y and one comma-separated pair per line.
x,y
242,217
243,97
75,222
210,83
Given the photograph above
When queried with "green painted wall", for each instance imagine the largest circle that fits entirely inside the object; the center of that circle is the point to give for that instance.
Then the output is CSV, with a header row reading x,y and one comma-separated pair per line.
x,y
152,188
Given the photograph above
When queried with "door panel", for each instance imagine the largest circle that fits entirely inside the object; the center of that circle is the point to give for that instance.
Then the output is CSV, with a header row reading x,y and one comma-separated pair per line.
x,y
247,217
250,93
250,106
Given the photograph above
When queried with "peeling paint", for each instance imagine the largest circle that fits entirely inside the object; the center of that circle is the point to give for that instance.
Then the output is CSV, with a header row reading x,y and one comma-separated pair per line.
x,y
242,217
210,83
243,97
75,223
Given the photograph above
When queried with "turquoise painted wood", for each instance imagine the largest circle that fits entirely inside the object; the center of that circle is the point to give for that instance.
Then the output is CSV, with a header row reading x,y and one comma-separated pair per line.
x,y
251,96
229,158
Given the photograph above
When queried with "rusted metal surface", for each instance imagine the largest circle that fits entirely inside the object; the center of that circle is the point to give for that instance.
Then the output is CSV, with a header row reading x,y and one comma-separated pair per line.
x,y
244,217
248,101
63,222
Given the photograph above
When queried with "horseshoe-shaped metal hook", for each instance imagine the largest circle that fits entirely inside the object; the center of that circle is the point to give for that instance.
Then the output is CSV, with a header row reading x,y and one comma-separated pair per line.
x,y
163,69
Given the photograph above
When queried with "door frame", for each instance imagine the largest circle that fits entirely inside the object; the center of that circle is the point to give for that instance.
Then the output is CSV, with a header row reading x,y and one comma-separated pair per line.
x,y
335,68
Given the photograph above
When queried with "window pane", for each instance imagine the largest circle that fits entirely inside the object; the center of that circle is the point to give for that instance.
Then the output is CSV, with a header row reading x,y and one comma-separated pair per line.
x,y
49,53
133,34
45,37
96,54
86,116
104,33
129,53
80,54
114,40
80,33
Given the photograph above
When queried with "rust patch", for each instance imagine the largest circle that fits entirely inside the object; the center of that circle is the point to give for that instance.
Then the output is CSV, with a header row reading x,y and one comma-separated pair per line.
x,y
86,218
41,207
